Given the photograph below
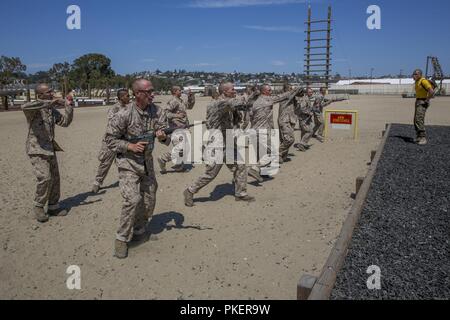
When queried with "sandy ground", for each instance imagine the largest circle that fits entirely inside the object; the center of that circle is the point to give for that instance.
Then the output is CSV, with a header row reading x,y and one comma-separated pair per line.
x,y
220,249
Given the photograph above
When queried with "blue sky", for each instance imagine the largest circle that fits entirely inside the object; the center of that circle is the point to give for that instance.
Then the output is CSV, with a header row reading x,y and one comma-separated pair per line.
x,y
220,35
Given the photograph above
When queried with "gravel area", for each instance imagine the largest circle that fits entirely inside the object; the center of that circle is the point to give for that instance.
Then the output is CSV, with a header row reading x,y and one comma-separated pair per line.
x,y
404,226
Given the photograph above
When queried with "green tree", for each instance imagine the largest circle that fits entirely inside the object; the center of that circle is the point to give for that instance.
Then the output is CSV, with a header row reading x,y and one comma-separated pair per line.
x,y
39,77
92,71
60,73
11,69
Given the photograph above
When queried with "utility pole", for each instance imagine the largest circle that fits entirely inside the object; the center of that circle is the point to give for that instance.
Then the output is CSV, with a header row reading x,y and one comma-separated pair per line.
x,y
28,91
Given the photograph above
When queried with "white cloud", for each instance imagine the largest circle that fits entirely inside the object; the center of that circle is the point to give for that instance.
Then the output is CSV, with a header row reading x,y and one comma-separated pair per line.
x,y
276,28
278,63
239,3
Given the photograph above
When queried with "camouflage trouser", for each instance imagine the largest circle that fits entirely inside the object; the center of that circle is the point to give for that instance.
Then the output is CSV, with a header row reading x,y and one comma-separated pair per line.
x,y
139,199
419,118
319,122
106,158
287,137
177,147
48,181
240,178
245,120
306,128
265,148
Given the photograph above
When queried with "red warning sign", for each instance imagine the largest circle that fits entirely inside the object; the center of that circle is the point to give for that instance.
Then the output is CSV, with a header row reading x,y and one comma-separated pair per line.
x,y
341,119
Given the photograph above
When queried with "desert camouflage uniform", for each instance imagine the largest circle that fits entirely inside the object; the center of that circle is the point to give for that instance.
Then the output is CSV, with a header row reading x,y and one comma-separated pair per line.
x,y
286,122
246,114
262,118
222,115
136,174
319,104
41,148
175,105
305,113
106,156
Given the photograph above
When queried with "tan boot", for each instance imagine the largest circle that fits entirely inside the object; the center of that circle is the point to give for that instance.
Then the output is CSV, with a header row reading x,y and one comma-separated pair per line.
x,y
95,188
422,141
301,148
255,174
179,168
121,249
245,198
162,165
40,215
188,198
60,212
144,237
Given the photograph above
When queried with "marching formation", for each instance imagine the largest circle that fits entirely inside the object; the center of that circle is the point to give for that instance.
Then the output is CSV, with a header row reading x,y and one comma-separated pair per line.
x,y
134,126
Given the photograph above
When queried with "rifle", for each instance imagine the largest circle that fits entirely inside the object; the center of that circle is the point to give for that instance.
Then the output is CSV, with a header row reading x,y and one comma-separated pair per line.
x,y
243,107
149,136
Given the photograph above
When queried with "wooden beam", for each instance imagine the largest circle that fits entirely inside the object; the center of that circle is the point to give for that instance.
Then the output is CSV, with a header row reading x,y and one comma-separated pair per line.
x,y
305,286
359,182
5,102
372,154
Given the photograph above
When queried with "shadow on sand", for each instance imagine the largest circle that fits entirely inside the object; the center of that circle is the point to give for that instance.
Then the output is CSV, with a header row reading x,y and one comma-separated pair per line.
x,y
79,200
218,193
164,222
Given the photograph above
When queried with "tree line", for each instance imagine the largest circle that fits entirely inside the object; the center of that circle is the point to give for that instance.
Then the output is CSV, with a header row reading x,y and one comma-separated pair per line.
x,y
86,73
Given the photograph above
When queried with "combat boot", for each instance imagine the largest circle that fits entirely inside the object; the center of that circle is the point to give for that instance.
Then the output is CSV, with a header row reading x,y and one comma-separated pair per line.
x,y
179,168
255,174
95,188
144,237
301,148
422,141
121,249
40,215
57,212
320,139
162,165
245,198
188,198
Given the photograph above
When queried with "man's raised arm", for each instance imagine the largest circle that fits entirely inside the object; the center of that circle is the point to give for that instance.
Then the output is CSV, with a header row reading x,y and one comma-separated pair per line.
x,y
63,120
